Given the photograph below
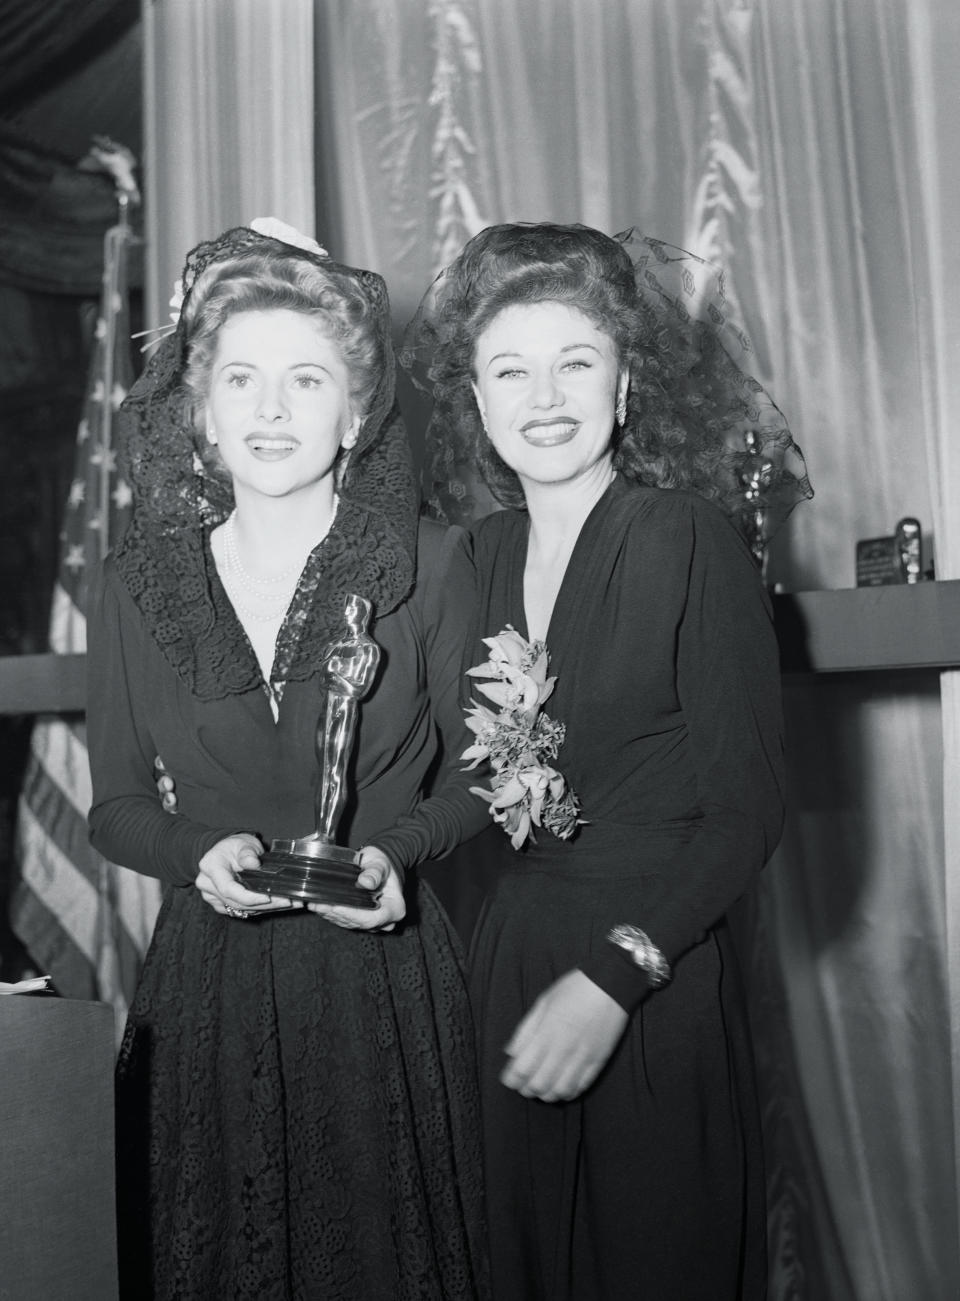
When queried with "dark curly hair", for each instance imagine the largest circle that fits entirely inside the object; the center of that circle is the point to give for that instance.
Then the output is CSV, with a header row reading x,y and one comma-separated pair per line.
x,y
688,403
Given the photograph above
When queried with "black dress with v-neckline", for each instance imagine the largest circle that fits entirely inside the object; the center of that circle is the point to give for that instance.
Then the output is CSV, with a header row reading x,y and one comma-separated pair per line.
x,y
297,1109
661,639
561,624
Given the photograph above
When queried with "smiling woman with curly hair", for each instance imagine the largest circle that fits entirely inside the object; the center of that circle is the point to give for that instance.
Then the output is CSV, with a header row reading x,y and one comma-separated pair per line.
x,y
598,391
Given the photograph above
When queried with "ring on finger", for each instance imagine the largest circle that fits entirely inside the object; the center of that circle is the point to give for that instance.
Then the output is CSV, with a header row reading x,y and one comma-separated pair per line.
x,y
237,912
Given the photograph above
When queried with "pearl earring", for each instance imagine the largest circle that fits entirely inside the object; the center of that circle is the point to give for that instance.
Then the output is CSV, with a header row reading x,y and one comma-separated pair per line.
x,y
621,410
211,435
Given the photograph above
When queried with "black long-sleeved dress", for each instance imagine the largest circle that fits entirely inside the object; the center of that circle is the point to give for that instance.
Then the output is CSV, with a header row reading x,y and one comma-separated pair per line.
x,y
297,1103
650,1185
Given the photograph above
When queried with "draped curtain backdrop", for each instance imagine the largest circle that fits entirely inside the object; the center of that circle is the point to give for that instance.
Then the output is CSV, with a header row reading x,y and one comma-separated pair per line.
x,y
228,124
810,149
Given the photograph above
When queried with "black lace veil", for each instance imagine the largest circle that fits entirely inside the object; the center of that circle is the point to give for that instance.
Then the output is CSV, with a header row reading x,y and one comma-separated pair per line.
x,y
696,417
178,495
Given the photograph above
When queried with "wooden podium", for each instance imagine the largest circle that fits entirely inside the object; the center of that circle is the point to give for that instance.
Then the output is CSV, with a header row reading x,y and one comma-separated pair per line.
x,y
57,1203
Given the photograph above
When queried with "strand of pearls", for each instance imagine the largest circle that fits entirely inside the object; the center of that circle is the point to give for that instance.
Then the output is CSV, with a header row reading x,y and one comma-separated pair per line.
x,y
273,616
264,590
245,578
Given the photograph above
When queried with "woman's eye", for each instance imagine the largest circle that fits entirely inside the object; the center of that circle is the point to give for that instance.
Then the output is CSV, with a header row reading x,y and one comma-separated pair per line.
x,y
306,381
576,363
238,379
511,372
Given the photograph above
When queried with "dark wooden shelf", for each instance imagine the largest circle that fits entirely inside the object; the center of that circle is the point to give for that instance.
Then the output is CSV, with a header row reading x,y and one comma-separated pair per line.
x,y
41,684
864,629
854,630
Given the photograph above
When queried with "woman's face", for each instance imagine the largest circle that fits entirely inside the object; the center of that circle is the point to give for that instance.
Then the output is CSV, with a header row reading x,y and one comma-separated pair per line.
x,y
547,384
279,406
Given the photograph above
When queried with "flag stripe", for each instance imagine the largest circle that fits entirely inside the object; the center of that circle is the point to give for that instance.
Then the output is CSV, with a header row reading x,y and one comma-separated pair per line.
x,y
61,756
54,875
68,627
52,949
89,949
82,919
137,899
50,809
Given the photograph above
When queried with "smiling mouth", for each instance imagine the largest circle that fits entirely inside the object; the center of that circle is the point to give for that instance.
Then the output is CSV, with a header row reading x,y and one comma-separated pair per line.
x,y
271,449
549,433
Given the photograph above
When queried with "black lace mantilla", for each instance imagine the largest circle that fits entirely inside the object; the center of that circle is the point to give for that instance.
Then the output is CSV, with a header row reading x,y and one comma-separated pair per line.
x,y
164,559
173,581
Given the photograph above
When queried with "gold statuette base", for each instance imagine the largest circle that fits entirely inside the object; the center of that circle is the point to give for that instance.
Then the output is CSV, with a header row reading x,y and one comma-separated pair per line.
x,y
312,870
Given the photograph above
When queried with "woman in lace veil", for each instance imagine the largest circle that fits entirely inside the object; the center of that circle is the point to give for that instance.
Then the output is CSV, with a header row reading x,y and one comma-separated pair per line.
x,y
297,1111
598,386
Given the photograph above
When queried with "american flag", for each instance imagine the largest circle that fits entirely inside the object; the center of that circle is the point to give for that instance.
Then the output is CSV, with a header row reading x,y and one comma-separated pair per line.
x,y
84,921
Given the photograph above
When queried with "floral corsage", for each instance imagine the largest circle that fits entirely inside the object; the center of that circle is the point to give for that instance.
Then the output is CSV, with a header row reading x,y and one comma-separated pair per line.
x,y
520,741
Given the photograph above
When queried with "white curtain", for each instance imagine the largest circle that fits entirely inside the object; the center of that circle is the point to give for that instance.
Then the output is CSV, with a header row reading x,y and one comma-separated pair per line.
x,y
934,49
810,148
853,908
228,113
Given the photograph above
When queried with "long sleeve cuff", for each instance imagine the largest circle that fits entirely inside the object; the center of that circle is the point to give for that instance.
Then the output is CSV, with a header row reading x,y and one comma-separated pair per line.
x,y
617,976
137,834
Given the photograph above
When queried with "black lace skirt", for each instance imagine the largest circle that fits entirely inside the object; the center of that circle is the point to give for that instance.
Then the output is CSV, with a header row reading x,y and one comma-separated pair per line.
x,y
297,1113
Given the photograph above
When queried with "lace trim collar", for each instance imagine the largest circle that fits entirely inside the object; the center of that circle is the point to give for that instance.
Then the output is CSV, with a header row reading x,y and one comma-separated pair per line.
x,y
172,579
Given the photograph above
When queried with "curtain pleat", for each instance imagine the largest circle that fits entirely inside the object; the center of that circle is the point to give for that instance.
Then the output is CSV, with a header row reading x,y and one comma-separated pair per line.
x,y
229,124
935,257
853,903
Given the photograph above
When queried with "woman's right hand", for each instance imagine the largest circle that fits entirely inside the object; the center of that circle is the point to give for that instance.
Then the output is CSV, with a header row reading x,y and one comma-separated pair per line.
x,y
564,1041
379,876
218,884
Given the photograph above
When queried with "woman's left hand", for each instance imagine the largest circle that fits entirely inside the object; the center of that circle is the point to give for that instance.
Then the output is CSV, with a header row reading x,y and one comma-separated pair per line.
x,y
378,875
564,1041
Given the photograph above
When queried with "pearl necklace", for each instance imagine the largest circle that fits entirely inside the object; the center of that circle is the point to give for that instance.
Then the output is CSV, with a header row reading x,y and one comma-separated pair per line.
x,y
275,616
240,578
244,578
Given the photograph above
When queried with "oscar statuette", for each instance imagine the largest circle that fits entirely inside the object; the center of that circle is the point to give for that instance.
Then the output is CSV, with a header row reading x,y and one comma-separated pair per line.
x,y
315,869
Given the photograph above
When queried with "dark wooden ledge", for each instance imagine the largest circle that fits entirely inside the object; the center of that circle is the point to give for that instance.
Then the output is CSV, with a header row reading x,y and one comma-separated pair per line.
x,y
856,630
